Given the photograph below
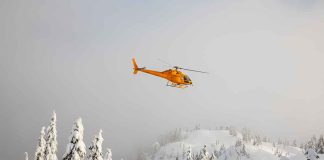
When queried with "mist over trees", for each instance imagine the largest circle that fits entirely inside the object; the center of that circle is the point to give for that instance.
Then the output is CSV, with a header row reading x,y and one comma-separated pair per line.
x,y
172,136
46,148
181,148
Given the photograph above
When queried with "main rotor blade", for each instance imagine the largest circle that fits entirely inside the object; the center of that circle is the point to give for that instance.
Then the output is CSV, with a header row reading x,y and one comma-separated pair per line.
x,y
165,62
193,70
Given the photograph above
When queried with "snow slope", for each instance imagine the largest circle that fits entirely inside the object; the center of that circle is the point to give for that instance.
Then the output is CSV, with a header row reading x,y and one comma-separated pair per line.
x,y
213,139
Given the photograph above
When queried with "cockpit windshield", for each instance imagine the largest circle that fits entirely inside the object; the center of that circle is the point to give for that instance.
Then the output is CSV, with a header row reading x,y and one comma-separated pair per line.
x,y
186,78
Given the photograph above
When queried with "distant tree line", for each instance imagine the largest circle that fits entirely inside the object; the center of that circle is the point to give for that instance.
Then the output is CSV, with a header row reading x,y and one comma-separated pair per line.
x,y
236,151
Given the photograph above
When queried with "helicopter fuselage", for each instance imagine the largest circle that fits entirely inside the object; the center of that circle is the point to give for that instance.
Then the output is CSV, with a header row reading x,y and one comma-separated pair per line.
x,y
172,75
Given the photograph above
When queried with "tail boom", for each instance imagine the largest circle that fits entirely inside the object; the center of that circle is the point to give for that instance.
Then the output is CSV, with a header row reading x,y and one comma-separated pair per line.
x,y
152,72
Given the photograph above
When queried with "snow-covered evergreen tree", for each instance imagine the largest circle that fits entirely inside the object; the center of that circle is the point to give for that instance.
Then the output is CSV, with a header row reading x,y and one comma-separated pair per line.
x,y
203,155
96,147
238,143
141,155
246,133
232,131
108,155
240,149
184,151
40,150
311,154
295,143
76,149
216,152
26,156
155,147
189,154
265,139
286,143
279,141
310,144
51,140
314,141
197,127
257,141
278,152
222,150
320,145
213,157
244,152
301,145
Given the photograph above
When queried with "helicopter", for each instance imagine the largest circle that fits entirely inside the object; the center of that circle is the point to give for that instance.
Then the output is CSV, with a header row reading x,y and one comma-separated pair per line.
x,y
175,77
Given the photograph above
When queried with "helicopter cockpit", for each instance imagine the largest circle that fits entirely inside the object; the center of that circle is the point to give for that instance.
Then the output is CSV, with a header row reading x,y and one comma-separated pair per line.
x,y
187,79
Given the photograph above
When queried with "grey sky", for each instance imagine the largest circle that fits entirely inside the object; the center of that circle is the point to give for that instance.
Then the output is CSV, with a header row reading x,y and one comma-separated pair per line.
x,y
74,57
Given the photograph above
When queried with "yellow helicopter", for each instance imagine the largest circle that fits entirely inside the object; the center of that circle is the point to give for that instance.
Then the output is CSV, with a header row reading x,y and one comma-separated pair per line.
x,y
175,77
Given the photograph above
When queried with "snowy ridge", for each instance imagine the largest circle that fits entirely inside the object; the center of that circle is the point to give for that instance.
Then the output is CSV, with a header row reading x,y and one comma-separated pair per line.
x,y
214,139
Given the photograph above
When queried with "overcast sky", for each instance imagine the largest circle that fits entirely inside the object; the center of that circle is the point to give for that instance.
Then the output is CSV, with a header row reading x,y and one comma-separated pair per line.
x,y
74,57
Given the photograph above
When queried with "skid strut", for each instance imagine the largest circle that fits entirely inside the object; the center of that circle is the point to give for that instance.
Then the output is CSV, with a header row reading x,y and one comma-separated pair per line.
x,y
171,84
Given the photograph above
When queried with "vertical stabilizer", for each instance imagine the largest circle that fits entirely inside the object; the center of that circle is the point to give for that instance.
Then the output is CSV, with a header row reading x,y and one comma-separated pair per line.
x,y
135,66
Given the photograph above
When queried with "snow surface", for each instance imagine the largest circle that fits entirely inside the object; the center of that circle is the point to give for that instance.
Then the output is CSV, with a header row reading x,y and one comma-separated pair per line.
x,y
215,138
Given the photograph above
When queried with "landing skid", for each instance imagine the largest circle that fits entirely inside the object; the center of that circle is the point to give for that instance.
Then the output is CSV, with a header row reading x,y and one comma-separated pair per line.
x,y
171,84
